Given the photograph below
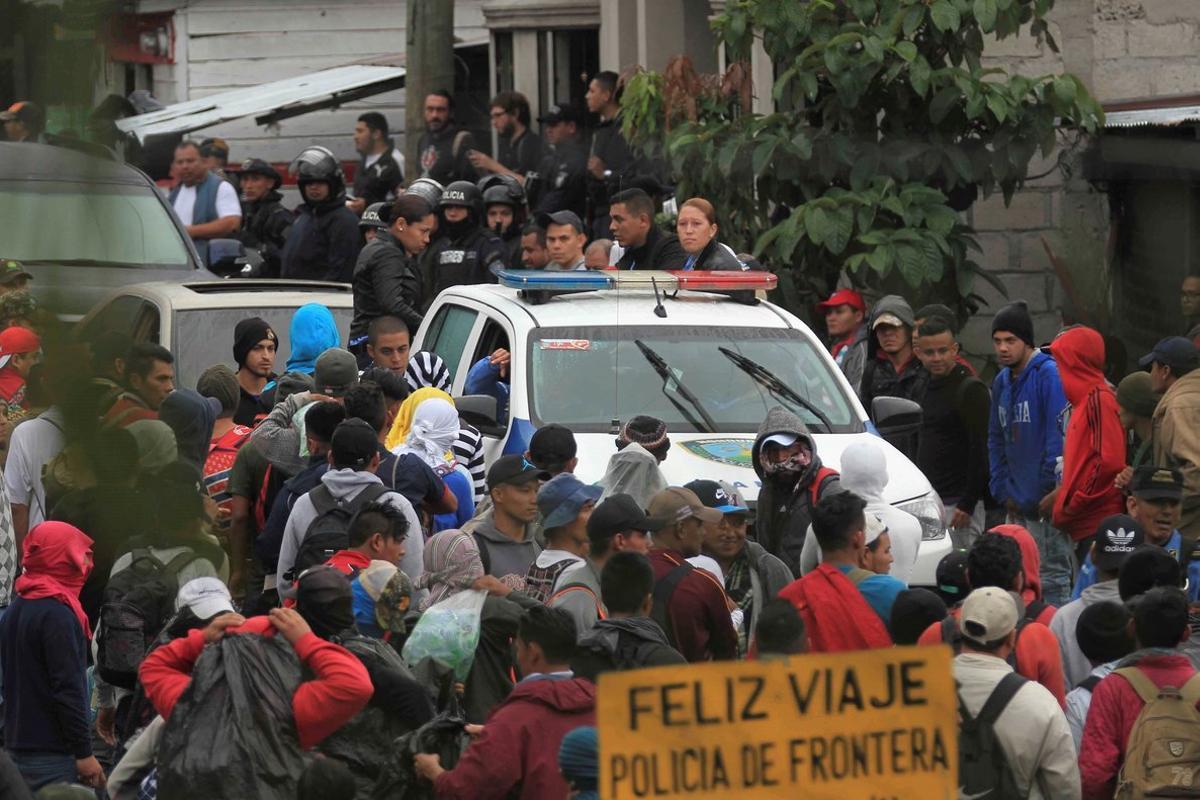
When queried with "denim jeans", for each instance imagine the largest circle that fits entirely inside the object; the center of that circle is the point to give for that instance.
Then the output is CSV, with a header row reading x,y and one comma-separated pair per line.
x,y
43,769
1058,559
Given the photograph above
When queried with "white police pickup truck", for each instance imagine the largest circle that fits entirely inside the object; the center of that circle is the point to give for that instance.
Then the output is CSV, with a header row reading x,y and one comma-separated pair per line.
x,y
590,349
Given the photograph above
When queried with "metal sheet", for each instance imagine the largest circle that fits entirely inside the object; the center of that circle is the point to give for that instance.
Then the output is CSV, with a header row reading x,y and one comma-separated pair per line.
x,y
1152,117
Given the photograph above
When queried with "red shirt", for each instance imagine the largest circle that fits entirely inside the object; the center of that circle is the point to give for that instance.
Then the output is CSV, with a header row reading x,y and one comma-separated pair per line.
x,y
348,562
698,612
127,410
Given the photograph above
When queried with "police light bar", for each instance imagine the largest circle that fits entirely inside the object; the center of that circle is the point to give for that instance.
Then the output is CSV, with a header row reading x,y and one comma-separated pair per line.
x,y
534,280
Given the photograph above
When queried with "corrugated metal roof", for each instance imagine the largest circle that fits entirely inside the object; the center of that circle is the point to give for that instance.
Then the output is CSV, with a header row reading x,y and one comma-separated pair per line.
x,y
268,102
1152,117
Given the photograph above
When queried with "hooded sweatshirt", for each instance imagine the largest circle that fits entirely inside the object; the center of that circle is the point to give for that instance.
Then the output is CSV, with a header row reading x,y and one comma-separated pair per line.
x,y
634,471
1094,450
344,485
785,501
313,331
1024,434
1031,567
879,377
503,556
191,417
626,643
518,749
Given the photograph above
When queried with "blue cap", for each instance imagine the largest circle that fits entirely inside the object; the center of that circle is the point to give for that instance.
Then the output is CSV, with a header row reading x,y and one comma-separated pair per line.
x,y
560,499
1175,352
722,498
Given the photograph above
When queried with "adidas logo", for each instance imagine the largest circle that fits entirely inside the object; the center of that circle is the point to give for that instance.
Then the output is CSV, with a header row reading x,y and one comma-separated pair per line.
x,y
1120,539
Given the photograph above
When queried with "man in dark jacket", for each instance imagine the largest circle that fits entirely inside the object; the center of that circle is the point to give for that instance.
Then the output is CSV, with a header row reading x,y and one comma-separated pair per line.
x,y
646,247
444,146
380,174
892,369
468,253
953,452
518,745
845,322
628,638
324,241
785,459
265,222
561,183
387,281
610,159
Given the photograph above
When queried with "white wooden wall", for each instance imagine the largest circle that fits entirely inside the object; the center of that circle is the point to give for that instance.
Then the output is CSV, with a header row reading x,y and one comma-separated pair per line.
x,y
223,44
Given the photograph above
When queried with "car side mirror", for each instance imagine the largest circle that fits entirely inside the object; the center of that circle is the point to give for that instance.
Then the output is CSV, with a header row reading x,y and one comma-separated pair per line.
x,y
226,257
480,410
899,422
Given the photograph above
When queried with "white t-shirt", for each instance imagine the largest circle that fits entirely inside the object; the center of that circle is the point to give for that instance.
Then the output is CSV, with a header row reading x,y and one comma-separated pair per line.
x,y
33,444
227,202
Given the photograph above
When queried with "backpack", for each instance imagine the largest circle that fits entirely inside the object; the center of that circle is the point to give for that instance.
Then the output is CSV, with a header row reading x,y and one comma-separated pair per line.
x,y
1088,684
952,635
820,481
329,530
983,770
663,591
138,601
600,651
1162,758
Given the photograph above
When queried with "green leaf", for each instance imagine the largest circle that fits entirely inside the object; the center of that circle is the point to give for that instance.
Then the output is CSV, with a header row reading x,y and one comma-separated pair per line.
x,y
911,262
998,106
1065,89
942,102
940,219
961,162
913,19
879,259
919,74
819,224
727,155
841,230
873,46
935,265
906,50
762,156
985,14
945,16
802,145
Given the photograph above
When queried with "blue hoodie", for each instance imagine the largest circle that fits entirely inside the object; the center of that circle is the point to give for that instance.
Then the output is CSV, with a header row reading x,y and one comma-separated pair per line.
x,y
313,331
1025,434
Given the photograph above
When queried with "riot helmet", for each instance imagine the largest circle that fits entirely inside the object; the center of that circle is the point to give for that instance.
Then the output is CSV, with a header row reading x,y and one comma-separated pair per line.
x,y
315,164
428,190
504,189
375,216
461,193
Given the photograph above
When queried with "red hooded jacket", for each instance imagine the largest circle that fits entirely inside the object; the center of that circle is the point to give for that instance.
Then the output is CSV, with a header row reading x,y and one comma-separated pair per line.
x,y
836,615
1094,450
340,689
1031,565
520,741
56,562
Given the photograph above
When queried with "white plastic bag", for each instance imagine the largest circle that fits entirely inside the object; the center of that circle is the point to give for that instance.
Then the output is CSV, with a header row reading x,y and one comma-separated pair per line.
x,y
448,632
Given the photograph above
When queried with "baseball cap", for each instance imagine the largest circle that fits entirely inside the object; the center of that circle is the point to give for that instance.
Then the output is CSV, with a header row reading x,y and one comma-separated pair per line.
x,y
205,597
988,615
844,297
336,372
951,577
675,504
22,111
1175,352
354,443
715,495
618,513
552,446
17,340
11,270
560,499
874,528
781,439
257,166
514,470
1152,483
1115,538
887,319
560,112
545,220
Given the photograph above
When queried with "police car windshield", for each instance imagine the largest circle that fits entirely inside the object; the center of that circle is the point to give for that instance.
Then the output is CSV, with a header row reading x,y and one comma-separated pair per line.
x,y
88,223
585,377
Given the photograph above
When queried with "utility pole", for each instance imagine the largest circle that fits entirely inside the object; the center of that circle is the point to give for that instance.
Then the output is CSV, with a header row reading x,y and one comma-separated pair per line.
x,y
429,57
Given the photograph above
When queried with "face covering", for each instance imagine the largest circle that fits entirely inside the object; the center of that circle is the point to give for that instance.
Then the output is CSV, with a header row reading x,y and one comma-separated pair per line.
x,y
793,465
457,230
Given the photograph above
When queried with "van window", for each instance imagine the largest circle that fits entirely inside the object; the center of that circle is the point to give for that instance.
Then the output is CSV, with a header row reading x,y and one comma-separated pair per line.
x,y
448,334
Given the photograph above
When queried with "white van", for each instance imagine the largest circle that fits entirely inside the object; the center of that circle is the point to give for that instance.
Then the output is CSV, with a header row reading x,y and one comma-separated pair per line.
x,y
592,349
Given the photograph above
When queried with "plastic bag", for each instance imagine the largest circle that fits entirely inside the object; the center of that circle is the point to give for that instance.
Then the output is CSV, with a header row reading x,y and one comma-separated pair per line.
x,y
445,735
448,632
232,734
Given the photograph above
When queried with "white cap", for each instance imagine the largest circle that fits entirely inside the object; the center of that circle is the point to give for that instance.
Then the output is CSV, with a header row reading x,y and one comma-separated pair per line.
x,y
781,439
887,319
988,615
875,527
206,597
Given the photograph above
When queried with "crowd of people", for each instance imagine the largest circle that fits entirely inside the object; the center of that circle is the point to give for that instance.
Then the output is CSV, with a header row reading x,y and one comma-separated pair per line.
x,y
308,582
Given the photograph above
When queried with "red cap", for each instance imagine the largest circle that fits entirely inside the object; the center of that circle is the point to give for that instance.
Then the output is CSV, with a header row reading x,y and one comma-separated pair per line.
x,y
16,340
844,297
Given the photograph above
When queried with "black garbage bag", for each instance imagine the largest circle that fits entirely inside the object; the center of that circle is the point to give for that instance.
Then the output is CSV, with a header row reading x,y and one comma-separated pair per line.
x,y
232,734
445,735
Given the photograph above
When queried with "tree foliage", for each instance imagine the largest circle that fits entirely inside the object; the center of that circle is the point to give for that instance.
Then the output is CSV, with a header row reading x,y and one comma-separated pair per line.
x,y
892,126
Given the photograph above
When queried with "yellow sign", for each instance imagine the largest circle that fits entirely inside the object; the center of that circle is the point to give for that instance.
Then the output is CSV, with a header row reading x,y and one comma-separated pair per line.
x,y
878,724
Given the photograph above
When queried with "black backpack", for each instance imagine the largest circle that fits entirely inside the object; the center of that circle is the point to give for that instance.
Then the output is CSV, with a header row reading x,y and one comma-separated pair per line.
x,y
663,591
138,601
329,531
983,770
952,635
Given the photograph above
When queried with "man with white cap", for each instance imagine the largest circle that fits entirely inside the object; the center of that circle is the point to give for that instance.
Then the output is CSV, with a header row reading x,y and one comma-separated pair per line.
x,y
892,368
1028,723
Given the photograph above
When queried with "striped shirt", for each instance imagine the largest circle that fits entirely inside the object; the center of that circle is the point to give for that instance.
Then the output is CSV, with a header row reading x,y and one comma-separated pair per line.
x,y
427,369
468,450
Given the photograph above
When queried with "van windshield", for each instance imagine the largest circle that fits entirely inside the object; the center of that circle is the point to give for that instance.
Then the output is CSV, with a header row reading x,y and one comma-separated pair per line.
x,y
88,223
586,377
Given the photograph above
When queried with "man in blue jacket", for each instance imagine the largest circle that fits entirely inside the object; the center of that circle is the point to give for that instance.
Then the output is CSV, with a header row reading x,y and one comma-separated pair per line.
x,y
1025,441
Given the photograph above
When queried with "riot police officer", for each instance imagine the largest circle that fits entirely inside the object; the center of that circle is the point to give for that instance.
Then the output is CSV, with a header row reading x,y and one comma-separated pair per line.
x,y
505,211
372,222
324,241
468,253
560,183
265,222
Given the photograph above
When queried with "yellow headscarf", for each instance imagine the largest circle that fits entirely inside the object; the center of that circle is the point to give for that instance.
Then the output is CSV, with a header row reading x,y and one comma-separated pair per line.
x,y
408,408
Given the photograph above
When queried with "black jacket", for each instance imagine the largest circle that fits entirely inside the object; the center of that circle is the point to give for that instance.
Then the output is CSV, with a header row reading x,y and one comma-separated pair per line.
x,y
621,644
714,256
561,181
661,251
467,260
880,378
265,226
620,163
953,450
386,281
323,243
378,182
523,155
441,160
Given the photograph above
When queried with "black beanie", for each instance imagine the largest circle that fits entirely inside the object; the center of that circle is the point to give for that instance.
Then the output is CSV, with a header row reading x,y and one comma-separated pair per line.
x,y
913,611
1102,632
1015,319
247,334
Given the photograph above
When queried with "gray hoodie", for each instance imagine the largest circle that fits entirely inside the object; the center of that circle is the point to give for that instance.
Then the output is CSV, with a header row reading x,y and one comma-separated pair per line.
x,y
345,484
784,503
503,555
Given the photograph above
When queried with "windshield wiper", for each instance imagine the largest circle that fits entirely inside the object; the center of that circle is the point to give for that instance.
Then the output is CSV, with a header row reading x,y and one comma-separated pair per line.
x,y
670,378
771,381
